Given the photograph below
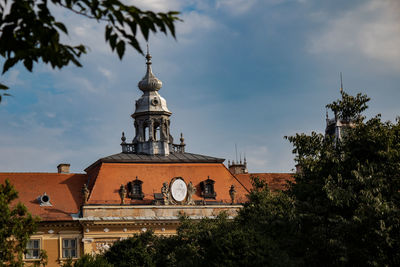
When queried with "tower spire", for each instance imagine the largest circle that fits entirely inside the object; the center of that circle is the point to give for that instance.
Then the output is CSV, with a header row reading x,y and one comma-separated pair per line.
x,y
148,56
151,117
341,83
149,82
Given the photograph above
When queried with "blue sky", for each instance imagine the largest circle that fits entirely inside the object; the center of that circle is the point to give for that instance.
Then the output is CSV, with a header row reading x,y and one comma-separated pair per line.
x,y
240,72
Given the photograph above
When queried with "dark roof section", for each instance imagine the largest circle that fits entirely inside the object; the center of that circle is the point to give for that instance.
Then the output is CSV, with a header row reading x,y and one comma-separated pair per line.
x,y
143,158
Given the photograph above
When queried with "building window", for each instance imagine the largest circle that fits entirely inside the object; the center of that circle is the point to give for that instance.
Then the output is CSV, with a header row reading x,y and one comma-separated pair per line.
x,y
33,249
135,189
207,188
69,248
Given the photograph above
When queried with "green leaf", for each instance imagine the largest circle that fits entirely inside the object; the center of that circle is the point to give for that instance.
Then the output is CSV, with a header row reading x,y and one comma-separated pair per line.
x,y
121,49
28,64
61,26
9,63
108,32
3,87
113,41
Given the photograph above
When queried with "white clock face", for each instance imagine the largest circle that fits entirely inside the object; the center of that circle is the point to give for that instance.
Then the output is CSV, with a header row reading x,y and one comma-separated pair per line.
x,y
179,190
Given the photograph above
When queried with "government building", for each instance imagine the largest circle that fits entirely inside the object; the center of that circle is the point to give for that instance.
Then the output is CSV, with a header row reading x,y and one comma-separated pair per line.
x,y
147,186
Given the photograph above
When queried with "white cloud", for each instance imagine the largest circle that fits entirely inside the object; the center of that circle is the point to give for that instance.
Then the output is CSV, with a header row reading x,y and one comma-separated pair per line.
x,y
12,78
107,73
236,7
371,30
194,24
157,5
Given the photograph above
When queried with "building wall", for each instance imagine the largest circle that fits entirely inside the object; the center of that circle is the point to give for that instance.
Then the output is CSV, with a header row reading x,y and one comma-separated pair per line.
x,y
51,243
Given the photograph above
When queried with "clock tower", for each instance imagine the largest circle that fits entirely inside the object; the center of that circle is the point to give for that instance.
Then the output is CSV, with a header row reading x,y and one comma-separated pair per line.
x,y
151,119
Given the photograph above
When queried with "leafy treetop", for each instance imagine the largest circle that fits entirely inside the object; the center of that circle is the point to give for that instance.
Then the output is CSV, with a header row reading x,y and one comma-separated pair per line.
x,y
16,226
349,108
30,32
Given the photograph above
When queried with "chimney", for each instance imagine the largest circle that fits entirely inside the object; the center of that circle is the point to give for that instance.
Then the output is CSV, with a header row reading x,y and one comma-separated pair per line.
x,y
63,168
237,168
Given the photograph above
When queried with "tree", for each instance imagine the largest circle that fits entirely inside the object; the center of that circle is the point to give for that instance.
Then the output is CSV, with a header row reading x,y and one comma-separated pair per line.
x,y
138,250
347,194
16,226
30,33
88,261
261,235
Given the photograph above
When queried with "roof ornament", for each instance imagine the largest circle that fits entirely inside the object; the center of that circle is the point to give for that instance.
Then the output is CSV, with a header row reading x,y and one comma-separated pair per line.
x,y
232,194
44,200
149,82
85,193
122,194
123,138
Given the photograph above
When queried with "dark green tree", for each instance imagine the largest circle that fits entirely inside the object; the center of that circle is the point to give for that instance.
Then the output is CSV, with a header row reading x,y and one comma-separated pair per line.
x,y
347,194
29,33
263,234
16,226
138,250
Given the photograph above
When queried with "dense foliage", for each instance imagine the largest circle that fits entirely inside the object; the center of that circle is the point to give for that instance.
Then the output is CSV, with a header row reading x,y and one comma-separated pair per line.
x,y
347,195
16,226
30,33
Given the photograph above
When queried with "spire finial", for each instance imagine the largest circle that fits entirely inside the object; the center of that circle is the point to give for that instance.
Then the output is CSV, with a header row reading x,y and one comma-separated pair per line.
x,y
341,83
148,56
149,81
182,139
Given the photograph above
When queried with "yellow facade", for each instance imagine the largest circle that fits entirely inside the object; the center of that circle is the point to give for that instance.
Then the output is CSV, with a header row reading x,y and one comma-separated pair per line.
x,y
100,226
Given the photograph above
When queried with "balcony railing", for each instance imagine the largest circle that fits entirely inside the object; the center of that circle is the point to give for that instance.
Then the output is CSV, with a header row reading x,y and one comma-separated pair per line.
x,y
178,148
128,148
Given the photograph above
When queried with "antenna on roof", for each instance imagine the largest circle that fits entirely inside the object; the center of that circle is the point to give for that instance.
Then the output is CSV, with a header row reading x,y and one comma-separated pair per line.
x,y
341,83
236,152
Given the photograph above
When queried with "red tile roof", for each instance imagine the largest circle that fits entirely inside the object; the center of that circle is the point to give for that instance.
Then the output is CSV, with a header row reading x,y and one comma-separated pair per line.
x,y
153,175
275,181
64,191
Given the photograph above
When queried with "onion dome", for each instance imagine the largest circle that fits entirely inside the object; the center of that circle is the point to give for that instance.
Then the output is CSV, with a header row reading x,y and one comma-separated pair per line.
x,y
149,82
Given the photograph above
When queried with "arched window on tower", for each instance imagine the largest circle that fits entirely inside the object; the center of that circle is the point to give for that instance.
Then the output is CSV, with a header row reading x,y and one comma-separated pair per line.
x,y
146,133
157,133
135,189
207,188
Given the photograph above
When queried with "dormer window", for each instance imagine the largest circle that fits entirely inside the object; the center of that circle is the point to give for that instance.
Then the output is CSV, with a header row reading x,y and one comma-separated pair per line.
x,y
135,189
207,188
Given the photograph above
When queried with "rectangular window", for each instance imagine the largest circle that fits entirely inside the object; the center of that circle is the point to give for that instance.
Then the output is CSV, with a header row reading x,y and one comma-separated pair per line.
x,y
33,249
69,249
